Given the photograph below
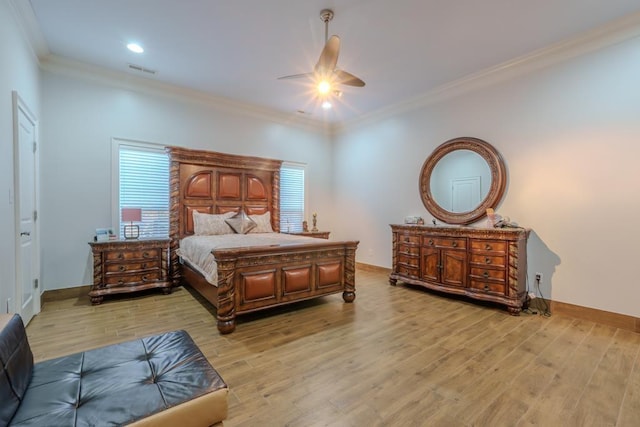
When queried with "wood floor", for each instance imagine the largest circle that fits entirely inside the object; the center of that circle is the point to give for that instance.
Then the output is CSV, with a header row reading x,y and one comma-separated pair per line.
x,y
397,356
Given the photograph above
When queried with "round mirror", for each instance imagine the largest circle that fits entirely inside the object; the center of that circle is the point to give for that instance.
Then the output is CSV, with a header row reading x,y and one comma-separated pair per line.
x,y
462,179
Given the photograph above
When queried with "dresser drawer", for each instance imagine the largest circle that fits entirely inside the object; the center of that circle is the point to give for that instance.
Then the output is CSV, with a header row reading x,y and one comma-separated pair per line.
x,y
498,261
488,246
127,279
488,287
132,266
404,270
408,238
125,255
408,250
411,261
488,274
444,242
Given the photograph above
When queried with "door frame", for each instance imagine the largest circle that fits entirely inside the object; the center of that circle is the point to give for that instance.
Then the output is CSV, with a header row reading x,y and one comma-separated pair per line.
x,y
20,106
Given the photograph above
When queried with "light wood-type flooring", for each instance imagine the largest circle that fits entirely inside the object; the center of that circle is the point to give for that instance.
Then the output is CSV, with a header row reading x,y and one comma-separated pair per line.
x,y
397,356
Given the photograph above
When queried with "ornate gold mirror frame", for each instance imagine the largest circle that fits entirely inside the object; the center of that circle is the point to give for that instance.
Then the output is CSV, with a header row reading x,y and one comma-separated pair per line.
x,y
496,189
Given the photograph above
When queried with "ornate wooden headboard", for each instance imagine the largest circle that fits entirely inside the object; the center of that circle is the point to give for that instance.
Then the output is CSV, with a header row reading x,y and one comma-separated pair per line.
x,y
214,183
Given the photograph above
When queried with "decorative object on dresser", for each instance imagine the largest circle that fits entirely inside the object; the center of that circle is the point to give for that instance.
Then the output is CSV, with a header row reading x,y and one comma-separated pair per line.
x,y
482,263
316,234
130,215
125,266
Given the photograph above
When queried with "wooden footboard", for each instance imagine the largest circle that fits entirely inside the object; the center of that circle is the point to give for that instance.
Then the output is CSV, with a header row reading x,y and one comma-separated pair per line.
x,y
256,278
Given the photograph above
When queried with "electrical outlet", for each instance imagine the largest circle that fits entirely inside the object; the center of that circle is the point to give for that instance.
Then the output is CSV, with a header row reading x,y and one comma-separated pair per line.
x,y
538,277
532,295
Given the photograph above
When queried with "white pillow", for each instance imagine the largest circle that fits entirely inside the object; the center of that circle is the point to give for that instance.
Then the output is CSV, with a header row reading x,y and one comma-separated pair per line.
x,y
208,224
263,223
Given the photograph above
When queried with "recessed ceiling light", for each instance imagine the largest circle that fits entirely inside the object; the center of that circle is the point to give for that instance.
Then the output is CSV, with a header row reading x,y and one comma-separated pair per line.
x,y
135,47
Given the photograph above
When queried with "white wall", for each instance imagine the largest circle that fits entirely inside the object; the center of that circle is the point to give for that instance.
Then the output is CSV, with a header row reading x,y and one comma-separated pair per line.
x,y
19,72
80,116
570,136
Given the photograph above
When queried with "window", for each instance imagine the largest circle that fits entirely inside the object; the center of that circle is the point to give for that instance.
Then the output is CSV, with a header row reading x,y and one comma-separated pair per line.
x,y
291,197
143,182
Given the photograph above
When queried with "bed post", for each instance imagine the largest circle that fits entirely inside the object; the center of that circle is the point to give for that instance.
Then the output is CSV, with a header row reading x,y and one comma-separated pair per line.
x,y
174,221
226,309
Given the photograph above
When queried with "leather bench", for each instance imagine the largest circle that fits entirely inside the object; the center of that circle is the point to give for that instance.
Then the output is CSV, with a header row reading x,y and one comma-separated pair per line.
x,y
160,380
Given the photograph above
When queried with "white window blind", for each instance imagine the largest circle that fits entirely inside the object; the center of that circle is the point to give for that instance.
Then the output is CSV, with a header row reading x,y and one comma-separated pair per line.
x,y
144,184
291,197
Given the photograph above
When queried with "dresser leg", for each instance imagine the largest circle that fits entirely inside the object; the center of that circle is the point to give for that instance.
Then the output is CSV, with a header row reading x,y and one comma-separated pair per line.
x,y
348,296
96,300
227,326
167,291
393,282
514,311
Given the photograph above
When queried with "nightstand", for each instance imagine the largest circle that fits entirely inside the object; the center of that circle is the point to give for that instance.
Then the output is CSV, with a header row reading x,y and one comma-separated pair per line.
x,y
317,234
123,266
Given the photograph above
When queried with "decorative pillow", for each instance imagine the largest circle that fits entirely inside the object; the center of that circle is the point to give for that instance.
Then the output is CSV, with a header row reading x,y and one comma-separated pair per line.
x,y
241,223
208,224
263,223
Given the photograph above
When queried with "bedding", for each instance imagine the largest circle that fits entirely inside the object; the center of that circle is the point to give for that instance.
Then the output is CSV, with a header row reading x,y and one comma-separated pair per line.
x,y
196,250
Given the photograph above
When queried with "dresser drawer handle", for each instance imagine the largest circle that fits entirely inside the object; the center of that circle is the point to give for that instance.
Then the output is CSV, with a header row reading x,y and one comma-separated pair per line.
x,y
144,265
486,287
122,268
145,278
487,247
431,242
486,276
120,255
454,244
487,260
120,282
145,254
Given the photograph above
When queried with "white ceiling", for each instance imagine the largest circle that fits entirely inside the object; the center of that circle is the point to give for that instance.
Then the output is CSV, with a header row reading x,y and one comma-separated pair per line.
x,y
236,49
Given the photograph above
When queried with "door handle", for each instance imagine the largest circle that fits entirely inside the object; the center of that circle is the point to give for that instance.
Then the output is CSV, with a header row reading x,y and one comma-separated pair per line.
x,y
25,233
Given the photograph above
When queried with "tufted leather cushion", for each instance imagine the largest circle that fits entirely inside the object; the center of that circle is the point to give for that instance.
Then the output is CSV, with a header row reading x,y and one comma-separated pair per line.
x,y
16,365
120,384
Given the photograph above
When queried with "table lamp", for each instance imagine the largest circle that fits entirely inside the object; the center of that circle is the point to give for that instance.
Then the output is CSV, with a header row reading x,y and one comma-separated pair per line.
x,y
131,231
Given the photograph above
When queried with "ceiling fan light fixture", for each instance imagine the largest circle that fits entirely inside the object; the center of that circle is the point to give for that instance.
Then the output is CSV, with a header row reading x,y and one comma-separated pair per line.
x,y
324,87
326,105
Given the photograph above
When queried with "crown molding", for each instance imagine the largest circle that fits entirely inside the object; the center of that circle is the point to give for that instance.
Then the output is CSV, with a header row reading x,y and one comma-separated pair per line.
x,y
25,17
81,70
610,34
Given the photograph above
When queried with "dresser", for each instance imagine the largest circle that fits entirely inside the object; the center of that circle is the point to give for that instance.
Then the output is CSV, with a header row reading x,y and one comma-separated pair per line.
x,y
124,266
488,264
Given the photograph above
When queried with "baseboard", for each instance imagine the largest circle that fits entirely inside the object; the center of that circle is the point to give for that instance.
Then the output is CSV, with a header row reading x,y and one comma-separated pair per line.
x,y
608,318
66,293
372,268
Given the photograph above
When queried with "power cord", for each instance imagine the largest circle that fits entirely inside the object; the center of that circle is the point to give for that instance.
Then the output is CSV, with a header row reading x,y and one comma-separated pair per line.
x,y
545,310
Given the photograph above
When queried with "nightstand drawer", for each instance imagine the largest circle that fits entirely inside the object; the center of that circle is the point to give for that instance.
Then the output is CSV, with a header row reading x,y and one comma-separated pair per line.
x,y
126,279
132,266
125,255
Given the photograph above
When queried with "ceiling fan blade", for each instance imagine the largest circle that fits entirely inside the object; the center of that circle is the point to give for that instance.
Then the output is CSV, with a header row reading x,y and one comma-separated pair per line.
x,y
297,76
348,79
329,56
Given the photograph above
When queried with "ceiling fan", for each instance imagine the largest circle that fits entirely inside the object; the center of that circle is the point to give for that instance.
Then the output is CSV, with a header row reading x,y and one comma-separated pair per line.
x,y
325,74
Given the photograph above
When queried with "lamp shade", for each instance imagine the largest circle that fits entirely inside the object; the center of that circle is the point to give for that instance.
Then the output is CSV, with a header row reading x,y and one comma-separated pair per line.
x,y
131,214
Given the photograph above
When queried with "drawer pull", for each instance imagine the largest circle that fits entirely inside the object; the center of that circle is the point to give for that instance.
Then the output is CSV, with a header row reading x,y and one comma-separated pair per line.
x,y
487,247
487,260
486,287
454,244
120,282
485,275
145,278
431,242
120,255
145,254
144,265
122,268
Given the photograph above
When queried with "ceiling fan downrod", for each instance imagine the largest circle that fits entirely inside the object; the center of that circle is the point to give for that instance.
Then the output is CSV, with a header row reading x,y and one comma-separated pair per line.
x,y
326,15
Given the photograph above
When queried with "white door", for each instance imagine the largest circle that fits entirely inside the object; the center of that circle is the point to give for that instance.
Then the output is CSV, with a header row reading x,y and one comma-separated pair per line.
x,y
465,194
27,242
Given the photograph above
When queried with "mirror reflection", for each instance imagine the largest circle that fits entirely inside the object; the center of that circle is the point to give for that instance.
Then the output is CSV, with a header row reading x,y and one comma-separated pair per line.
x,y
460,181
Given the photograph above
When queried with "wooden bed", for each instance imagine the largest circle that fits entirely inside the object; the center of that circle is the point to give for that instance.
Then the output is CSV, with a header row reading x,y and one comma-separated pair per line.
x,y
250,278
